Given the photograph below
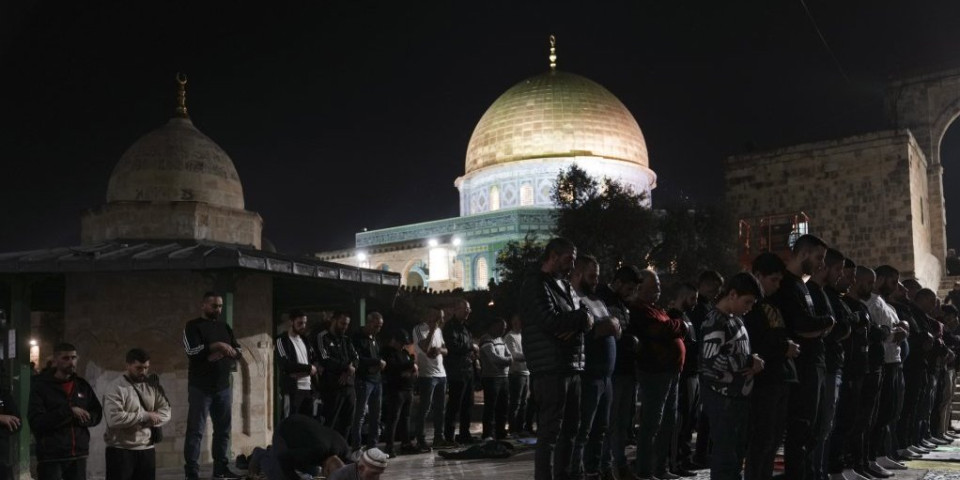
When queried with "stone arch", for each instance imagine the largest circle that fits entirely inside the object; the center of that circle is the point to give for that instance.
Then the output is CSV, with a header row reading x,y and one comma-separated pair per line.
x,y
927,105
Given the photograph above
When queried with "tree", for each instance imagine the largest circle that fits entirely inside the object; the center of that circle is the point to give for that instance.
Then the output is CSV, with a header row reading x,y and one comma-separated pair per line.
x,y
694,238
605,219
514,261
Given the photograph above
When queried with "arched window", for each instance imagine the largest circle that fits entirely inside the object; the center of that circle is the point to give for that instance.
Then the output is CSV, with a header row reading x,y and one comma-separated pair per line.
x,y
494,198
526,195
480,274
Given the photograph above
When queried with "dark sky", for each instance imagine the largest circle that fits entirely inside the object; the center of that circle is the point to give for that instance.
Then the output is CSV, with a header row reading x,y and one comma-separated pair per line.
x,y
341,116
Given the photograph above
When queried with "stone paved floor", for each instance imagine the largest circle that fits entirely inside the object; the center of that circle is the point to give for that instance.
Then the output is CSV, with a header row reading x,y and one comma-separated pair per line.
x,y
520,466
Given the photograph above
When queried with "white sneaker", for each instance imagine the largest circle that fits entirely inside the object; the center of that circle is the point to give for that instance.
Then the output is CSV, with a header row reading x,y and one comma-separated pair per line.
x,y
890,464
850,474
882,471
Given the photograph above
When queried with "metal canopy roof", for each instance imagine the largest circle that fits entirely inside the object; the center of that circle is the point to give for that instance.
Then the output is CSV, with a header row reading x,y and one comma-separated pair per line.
x,y
160,255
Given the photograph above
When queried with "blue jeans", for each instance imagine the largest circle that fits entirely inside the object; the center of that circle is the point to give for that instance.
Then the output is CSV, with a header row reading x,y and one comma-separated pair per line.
x,y
658,418
729,423
622,408
368,394
431,391
595,399
219,406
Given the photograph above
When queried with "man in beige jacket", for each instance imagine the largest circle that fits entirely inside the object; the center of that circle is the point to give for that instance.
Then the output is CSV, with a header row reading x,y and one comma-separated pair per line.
x,y
131,406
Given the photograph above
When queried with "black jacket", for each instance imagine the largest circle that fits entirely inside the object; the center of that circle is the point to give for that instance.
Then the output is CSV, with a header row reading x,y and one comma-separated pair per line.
x,y
549,310
58,434
458,362
856,348
795,303
399,372
198,335
336,355
768,338
833,342
626,363
305,445
289,363
368,357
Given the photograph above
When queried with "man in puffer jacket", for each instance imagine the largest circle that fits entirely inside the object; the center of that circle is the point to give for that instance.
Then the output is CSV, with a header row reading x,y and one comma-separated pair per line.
x,y
130,407
553,328
62,408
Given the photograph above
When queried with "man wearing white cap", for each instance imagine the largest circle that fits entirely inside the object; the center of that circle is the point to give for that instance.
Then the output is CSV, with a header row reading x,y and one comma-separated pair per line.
x,y
371,464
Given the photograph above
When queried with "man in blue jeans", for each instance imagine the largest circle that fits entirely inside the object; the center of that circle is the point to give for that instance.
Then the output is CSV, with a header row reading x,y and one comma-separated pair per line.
x,y
212,352
596,387
369,389
432,384
660,362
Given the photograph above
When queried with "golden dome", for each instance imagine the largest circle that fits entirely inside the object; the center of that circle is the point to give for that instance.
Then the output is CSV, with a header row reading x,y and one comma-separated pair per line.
x,y
555,114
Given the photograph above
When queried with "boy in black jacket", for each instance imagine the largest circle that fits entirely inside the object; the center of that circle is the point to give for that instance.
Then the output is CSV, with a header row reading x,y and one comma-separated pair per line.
x,y
62,408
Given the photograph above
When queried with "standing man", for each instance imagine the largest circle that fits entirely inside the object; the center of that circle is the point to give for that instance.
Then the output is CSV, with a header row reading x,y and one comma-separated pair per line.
x,y
213,352
708,286
596,386
805,327
458,363
623,406
369,386
891,386
553,328
297,361
826,301
660,361
131,406
688,392
428,338
62,409
339,361
771,388
519,377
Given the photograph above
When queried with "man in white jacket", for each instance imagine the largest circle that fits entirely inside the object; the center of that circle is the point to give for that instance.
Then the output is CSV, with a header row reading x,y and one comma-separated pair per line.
x,y
131,406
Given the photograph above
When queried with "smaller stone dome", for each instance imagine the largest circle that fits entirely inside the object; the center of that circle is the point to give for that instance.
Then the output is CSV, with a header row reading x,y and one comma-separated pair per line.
x,y
176,163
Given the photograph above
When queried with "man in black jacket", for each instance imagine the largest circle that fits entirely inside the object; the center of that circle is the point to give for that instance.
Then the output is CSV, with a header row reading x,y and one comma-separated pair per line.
x,y
553,328
826,300
369,386
339,361
771,387
62,409
807,329
461,353
212,352
297,361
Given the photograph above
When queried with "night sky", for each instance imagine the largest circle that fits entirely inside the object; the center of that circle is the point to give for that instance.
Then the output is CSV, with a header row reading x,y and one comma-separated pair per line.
x,y
341,116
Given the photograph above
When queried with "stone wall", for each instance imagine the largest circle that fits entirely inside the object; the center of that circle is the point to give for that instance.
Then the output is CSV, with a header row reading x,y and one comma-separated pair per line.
x,y
109,313
865,195
170,220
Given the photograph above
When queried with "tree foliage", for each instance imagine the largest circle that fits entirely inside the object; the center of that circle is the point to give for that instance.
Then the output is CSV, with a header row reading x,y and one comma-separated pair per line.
x,y
605,219
611,222
513,262
694,238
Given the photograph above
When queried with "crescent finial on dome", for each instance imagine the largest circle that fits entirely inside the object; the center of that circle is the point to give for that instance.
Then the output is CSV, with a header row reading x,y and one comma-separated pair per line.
x,y
553,53
182,96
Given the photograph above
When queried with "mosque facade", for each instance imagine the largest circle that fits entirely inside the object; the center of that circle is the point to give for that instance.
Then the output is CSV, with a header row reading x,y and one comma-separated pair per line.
x,y
536,129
